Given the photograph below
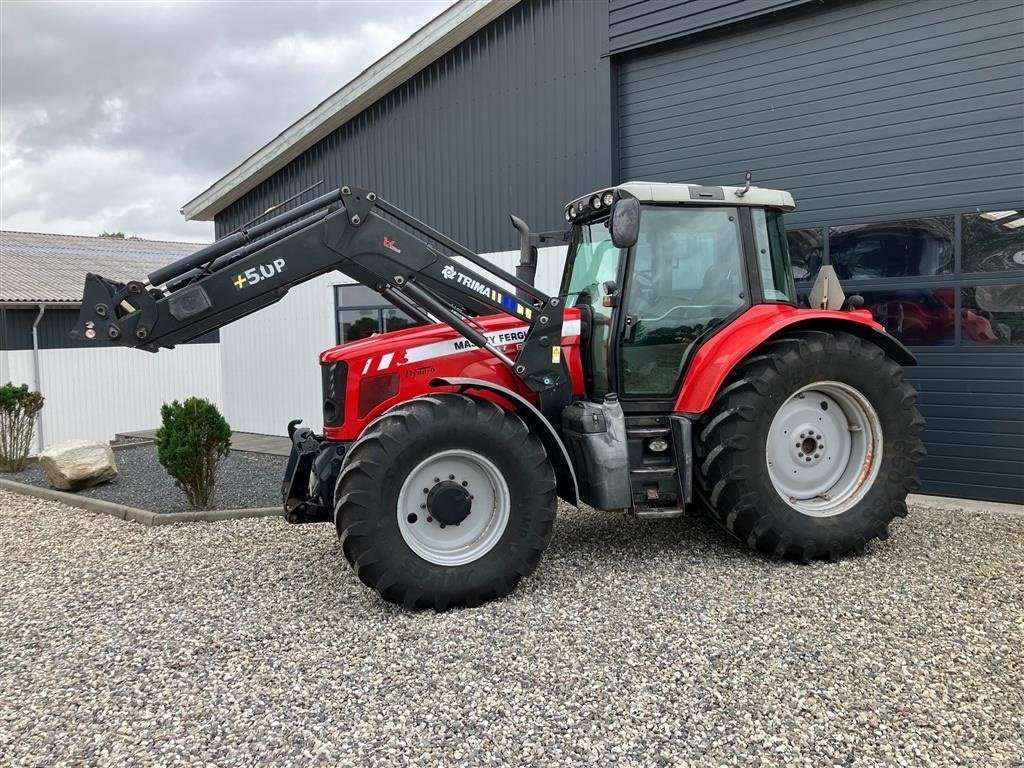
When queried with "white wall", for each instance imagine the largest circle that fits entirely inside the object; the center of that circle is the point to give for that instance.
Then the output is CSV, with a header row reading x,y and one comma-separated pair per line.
x,y
96,393
549,265
270,359
5,367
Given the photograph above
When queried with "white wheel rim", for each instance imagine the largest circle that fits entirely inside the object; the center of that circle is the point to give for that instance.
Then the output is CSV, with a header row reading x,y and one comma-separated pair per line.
x,y
481,529
824,448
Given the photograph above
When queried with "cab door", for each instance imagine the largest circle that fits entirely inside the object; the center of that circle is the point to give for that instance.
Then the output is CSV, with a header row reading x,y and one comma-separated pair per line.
x,y
686,277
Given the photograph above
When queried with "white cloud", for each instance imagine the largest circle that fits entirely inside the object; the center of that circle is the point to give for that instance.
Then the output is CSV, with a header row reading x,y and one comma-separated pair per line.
x,y
112,115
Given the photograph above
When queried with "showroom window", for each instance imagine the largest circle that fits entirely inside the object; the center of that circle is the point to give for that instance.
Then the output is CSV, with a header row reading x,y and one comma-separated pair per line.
x,y
923,283
362,312
992,314
885,250
993,241
806,252
915,316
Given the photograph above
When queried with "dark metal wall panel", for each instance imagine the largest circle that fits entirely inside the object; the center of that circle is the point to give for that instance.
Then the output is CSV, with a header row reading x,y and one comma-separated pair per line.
x,y
862,110
973,401
635,23
514,120
16,330
866,111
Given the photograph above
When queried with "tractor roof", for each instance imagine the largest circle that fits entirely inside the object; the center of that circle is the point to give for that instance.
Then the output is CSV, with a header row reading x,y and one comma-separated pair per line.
x,y
657,192
689,194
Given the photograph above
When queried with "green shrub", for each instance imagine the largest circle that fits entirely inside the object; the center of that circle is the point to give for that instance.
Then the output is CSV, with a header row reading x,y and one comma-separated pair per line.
x,y
18,410
192,439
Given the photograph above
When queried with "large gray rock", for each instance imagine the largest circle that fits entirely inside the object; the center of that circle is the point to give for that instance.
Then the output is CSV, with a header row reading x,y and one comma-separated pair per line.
x,y
78,464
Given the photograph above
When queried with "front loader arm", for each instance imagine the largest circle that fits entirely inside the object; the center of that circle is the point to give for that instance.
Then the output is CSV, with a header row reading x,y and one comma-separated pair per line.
x,y
241,274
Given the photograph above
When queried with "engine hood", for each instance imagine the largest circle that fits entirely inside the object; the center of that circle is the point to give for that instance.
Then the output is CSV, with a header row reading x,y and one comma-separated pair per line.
x,y
425,342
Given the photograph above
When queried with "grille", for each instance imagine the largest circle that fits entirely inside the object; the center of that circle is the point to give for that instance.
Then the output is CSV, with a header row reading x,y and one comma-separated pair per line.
x,y
335,377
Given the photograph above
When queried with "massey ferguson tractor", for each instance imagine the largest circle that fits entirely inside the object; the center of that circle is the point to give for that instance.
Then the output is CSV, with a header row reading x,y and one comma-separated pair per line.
x,y
673,366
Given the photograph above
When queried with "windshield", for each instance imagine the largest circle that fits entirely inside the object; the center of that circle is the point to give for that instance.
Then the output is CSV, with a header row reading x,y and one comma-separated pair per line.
x,y
592,260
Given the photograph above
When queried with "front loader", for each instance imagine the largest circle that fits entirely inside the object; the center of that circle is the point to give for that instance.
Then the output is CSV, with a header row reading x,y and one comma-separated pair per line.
x,y
672,367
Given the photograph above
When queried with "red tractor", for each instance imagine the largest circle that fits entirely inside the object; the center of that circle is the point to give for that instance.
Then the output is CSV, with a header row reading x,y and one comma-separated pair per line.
x,y
672,366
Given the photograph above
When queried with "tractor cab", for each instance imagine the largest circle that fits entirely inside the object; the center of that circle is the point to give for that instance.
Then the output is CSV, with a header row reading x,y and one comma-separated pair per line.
x,y
657,269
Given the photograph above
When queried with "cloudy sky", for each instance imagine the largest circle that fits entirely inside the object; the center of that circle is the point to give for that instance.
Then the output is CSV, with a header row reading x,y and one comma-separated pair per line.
x,y
112,115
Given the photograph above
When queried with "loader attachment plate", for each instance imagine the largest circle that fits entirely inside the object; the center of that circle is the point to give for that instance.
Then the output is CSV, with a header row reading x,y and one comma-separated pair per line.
x,y
307,490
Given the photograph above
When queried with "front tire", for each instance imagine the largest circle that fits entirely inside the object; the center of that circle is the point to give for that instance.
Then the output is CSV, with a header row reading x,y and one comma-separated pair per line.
x,y
446,500
811,447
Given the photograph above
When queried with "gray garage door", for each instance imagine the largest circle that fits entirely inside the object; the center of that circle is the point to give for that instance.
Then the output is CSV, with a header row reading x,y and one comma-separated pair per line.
x,y
899,128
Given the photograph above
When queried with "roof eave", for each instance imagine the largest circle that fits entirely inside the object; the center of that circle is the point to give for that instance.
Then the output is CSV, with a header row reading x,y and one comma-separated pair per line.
x,y
35,304
426,45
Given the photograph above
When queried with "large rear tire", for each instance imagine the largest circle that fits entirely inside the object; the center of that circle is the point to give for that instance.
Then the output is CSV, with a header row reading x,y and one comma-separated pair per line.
x,y
811,447
447,500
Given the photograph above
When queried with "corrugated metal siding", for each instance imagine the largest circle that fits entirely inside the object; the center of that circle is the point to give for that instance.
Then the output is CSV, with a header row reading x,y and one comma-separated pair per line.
x,y
270,360
94,393
514,120
974,403
875,109
634,23
867,111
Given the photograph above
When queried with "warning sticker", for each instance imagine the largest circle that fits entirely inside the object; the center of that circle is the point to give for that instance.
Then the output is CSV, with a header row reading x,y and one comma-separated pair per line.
x,y
556,355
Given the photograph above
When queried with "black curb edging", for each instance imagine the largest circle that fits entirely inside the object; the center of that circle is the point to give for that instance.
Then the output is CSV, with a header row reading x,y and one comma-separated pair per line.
x,y
143,516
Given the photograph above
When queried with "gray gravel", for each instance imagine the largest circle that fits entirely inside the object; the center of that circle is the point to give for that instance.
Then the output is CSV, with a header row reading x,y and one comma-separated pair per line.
x,y
636,643
244,480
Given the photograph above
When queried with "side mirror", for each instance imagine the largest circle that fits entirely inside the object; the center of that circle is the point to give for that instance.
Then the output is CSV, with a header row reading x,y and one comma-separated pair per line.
x,y
625,222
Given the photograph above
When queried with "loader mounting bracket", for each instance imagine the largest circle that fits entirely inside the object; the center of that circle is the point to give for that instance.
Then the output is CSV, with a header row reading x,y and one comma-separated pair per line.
x,y
309,479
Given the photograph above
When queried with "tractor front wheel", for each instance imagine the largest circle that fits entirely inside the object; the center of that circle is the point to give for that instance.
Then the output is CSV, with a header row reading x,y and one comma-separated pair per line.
x,y
446,500
811,447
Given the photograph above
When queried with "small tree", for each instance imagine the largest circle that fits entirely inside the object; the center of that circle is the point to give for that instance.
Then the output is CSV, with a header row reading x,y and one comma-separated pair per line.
x,y
192,439
18,410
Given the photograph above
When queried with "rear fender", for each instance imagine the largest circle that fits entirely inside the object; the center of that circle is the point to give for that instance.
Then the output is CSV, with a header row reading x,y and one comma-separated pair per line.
x,y
717,357
565,474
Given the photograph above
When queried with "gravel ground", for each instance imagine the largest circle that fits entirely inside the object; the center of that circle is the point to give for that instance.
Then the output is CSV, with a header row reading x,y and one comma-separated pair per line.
x,y
636,643
244,480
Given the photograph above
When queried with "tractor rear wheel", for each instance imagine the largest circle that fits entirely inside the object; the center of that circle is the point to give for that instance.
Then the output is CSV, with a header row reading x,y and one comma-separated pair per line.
x,y
446,500
811,447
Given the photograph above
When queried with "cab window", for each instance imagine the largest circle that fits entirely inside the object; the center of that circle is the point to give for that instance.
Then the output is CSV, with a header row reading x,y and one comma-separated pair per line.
x,y
773,256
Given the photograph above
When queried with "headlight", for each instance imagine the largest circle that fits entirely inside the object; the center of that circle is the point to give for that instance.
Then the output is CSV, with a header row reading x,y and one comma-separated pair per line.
x,y
572,213
595,202
567,216
607,198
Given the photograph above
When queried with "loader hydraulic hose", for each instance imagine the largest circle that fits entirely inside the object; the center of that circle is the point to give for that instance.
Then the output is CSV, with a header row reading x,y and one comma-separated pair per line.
x,y
239,239
240,253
